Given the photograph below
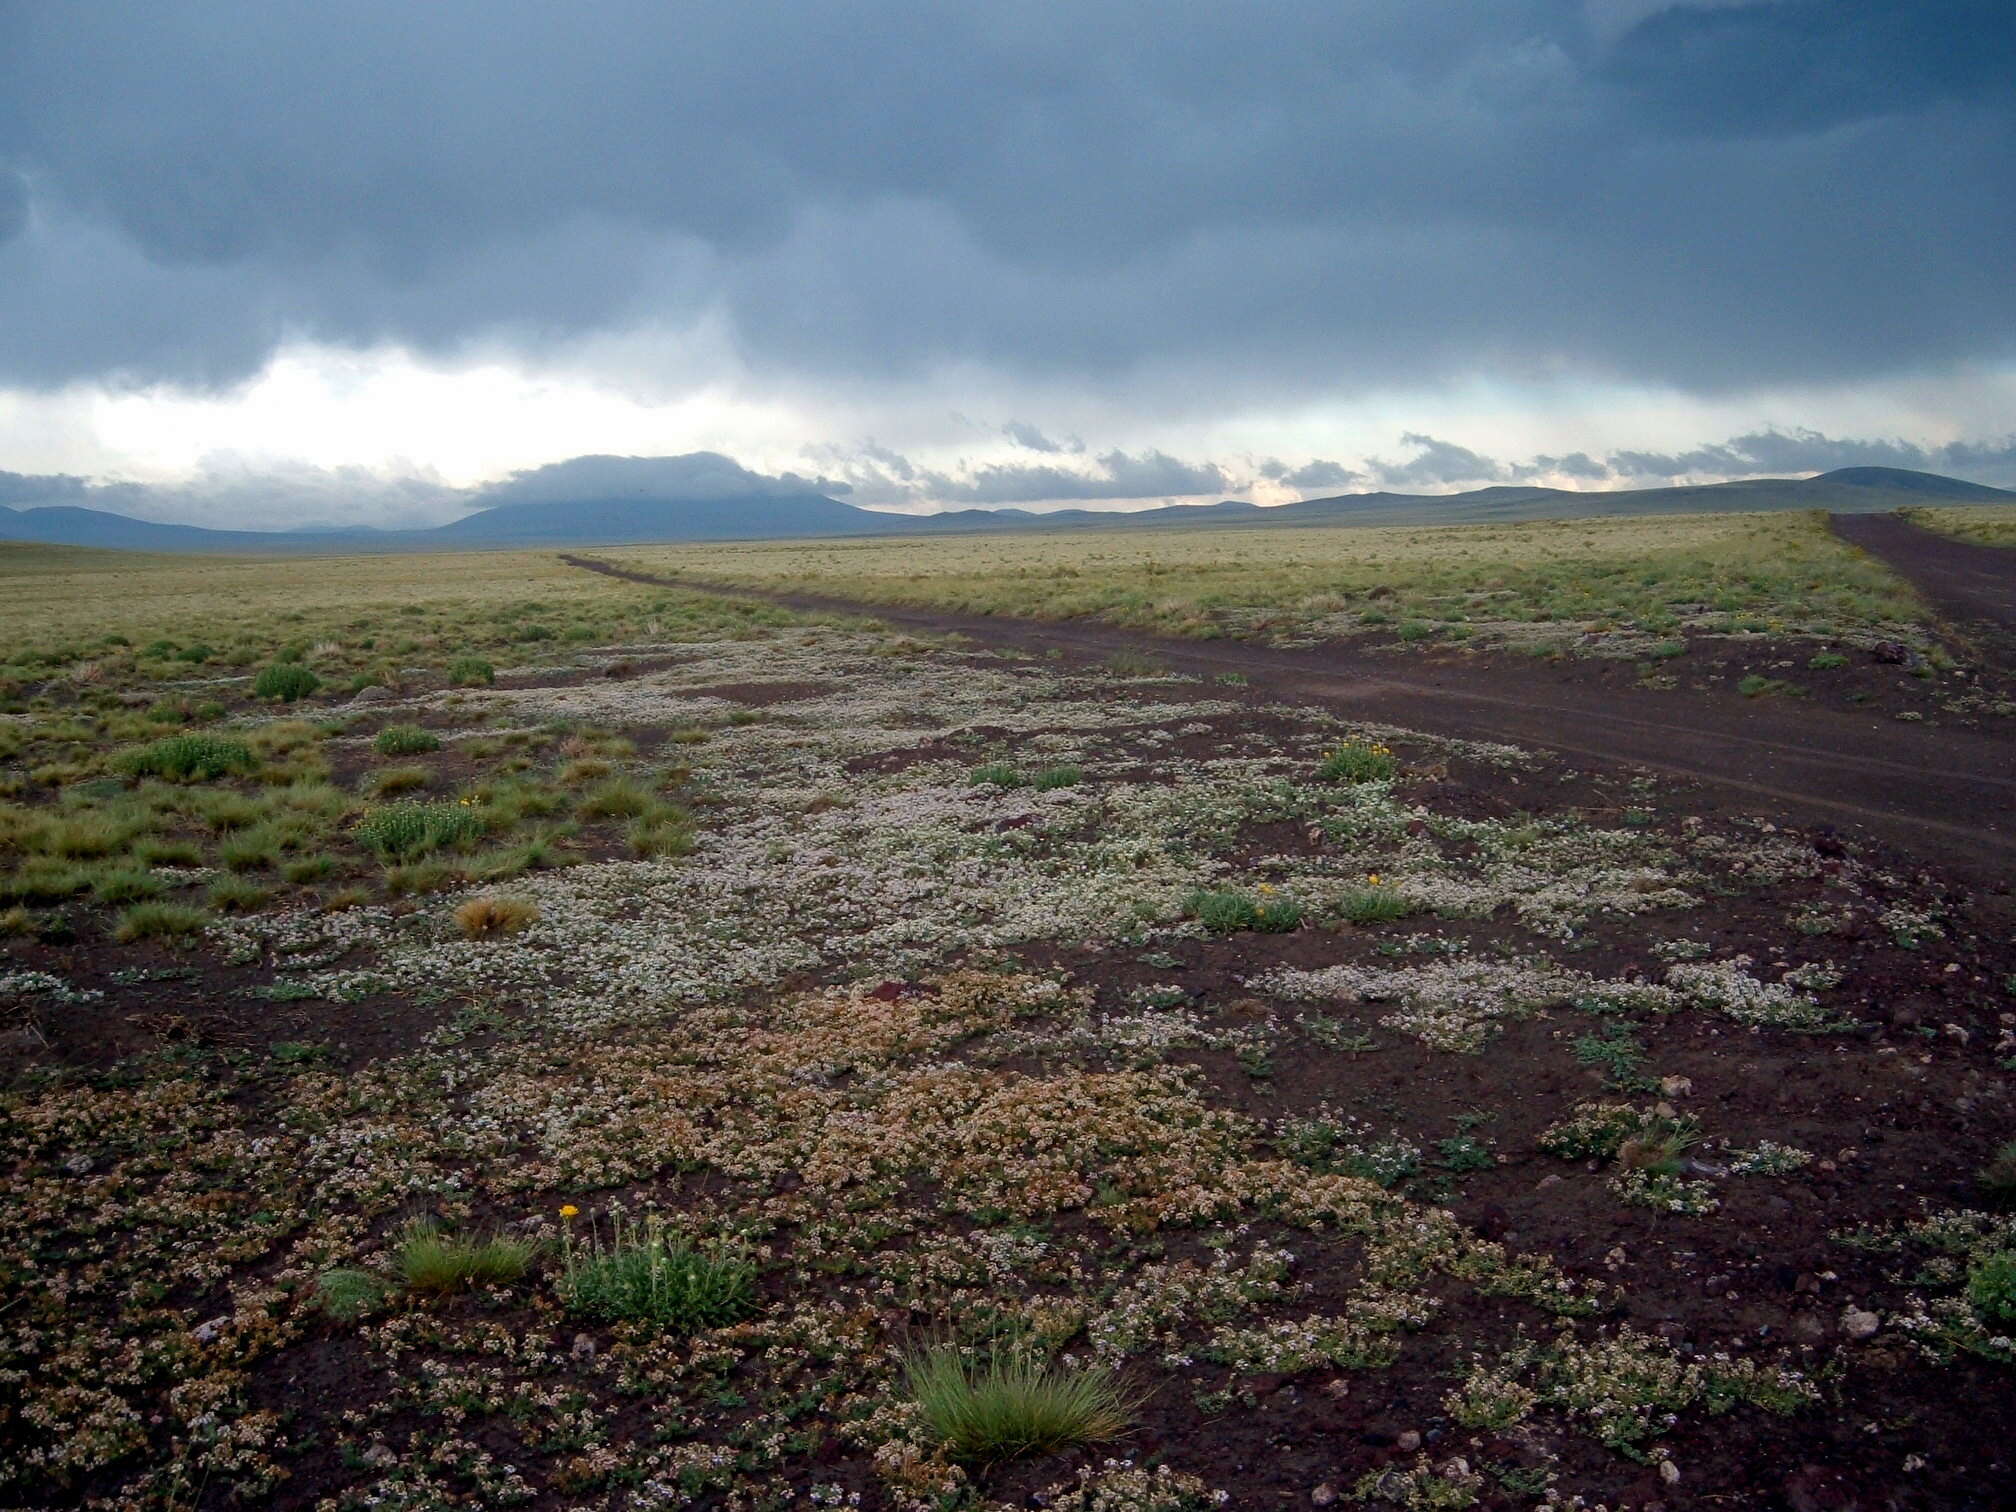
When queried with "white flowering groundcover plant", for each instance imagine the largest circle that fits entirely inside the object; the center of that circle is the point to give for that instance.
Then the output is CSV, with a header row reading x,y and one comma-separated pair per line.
x,y
951,1061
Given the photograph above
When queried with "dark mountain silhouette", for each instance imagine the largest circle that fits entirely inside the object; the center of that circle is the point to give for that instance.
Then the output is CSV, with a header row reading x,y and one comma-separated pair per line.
x,y
708,498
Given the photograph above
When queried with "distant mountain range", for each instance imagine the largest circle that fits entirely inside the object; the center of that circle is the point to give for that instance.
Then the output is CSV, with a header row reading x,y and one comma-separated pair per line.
x,y
656,514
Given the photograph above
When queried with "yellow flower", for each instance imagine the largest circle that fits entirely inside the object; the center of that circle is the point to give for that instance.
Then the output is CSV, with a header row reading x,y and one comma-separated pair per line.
x,y
1373,879
570,1211
1266,887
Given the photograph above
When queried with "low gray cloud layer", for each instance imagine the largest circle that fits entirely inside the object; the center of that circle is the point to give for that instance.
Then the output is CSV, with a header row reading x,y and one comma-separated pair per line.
x,y
1281,195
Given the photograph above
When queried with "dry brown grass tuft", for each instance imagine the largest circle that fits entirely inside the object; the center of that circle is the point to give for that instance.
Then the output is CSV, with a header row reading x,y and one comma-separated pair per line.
x,y
487,917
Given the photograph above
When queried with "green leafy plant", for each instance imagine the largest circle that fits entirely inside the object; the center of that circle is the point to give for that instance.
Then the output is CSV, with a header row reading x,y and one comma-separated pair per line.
x,y
997,774
286,682
1991,1286
1374,904
1229,911
1057,777
1359,761
405,740
645,1275
404,831
189,758
1014,1402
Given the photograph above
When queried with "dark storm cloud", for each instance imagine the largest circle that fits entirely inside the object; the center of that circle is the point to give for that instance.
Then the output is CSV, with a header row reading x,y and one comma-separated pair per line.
x,y
1436,464
1031,439
1807,451
1273,195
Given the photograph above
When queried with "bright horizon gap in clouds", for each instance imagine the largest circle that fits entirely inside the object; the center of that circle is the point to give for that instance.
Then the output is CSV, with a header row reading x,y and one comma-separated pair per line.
x,y
389,415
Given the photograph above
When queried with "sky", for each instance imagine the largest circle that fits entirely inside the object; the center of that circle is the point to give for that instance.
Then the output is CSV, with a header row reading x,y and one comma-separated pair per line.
x,y
275,264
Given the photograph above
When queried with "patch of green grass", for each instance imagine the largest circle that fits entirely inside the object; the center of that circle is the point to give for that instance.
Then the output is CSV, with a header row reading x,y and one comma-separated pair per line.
x,y
127,885
433,1262
1826,661
641,1274
405,740
1229,911
664,834
1014,1403
348,1294
1359,761
1374,904
1054,777
1617,1054
160,921
236,895
996,774
618,798
285,682
388,781
471,672
189,758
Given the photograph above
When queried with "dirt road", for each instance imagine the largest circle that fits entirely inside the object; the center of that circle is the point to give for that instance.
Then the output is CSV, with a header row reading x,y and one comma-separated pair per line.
x,y
1943,793
1973,587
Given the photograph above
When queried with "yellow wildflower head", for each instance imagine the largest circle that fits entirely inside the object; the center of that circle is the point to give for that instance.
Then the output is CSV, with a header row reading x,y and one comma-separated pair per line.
x,y
568,1210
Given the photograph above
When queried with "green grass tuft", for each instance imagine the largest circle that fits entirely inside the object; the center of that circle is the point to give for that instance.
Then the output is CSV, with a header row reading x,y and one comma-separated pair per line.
x,y
433,1262
286,682
646,1276
189,758
1015,1403
405,740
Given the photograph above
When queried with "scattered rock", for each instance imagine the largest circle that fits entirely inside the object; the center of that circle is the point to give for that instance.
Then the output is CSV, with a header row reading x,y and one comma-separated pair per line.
x,y
1408,1442
1815,1488
1323,1495
206,1333
78,1165
584,1347
1858,1324
1548,1181
371,695
1669,1472
1675,1086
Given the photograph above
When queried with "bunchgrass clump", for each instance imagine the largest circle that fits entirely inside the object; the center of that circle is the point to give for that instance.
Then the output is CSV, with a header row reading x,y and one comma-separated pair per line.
x,y
489,916
405,740
387,781
997,774
1374,903
618,798
236,895
405,831
471,672
348,1294
1229,911
285,682
1014,1402
669,833
1051,778
127,885
160,921
1359,761
436,1263
641,1274
189,758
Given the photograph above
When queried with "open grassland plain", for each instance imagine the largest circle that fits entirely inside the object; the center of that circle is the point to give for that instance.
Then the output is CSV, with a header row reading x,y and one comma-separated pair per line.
x,y
1763,606
1983,524
703,1055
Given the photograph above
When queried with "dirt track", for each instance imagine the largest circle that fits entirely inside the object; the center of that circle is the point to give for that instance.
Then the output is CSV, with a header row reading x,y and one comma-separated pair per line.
x,y
1936,791
1974,587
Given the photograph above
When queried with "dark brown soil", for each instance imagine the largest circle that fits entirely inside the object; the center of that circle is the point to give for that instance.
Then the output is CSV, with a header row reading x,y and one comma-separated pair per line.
x,y
1918,783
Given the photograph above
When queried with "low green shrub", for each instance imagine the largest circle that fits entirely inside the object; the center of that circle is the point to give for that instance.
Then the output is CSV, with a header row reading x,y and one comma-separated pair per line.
x,y
347,1295
1057,777
1991,1287
471,672
405,740
997,774
1358,761
405,831
285,681
189,758
1374,903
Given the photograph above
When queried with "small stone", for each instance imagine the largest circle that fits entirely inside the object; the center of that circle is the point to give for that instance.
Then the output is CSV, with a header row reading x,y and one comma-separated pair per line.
x,y
1669,1472
1858,1324
1675,1086
1547,1181
1408,1442
1323,1495
78,1165
206,1333
584,1347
